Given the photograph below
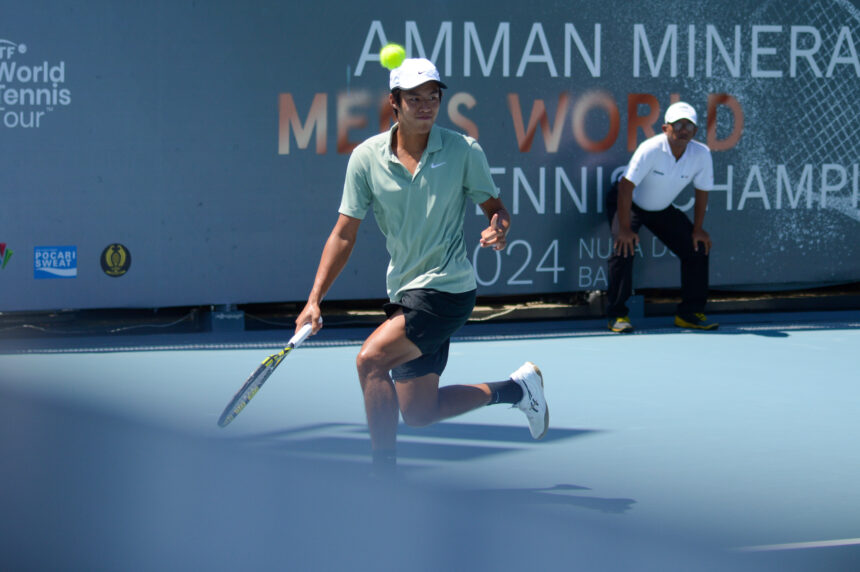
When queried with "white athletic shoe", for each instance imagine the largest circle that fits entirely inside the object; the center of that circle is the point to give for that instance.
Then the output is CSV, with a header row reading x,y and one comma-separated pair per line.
x,y
533,403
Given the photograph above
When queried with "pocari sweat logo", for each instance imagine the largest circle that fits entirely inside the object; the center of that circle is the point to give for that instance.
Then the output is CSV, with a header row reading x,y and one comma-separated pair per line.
x,y
29,91
55,262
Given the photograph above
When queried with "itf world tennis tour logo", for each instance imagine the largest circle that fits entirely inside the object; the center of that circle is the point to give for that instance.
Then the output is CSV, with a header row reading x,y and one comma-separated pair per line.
x,y
29,91
115,260
55,262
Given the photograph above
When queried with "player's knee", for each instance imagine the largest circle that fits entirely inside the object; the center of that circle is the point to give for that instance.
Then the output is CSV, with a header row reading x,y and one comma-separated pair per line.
x,y
368,363
417,417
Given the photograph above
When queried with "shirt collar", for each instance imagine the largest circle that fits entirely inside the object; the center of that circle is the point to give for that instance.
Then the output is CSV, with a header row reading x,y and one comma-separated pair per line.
x,y
434,143
664,145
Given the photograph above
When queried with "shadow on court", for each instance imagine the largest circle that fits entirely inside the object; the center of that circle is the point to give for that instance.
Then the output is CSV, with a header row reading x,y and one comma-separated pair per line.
x,y
441,442
558,496
83,489
454,442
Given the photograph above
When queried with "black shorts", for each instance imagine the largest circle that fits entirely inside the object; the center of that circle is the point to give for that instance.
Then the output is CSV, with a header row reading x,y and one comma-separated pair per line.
x,y
432,317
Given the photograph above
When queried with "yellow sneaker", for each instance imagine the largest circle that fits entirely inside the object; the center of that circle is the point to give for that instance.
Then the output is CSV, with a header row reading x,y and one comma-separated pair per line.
x,y
695,322
621,325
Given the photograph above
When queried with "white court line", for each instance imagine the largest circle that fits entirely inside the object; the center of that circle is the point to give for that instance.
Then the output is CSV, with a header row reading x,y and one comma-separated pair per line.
x,y
800,545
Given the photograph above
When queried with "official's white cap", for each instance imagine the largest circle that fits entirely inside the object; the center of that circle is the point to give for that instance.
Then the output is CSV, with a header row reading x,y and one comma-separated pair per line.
x,y
681,110
414,72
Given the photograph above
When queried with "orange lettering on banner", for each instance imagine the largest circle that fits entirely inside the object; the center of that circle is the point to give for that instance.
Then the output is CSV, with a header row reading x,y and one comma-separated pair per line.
x,y
346,120
457,118
525,136
598,100
352,114
644,122
288,117
717,99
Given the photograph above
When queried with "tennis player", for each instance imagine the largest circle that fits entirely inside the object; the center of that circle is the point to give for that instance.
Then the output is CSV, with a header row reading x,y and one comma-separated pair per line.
x,y
417,177
661,167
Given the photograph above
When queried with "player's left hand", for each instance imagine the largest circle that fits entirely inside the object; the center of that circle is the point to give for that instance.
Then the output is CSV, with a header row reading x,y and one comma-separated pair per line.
x,y
700,236
494,235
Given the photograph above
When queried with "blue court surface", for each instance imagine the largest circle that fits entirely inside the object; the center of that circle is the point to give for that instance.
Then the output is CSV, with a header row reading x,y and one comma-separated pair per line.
x,y
667,450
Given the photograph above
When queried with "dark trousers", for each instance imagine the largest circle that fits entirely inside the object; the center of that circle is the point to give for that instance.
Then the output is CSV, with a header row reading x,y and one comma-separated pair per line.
x,y
674,229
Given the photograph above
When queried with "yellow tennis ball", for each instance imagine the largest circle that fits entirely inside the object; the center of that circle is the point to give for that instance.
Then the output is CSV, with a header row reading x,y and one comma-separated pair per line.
x,y
391,56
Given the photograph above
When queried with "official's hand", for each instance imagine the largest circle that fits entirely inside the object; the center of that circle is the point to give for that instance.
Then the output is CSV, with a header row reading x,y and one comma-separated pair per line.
x,y
625,242
494,235
700,236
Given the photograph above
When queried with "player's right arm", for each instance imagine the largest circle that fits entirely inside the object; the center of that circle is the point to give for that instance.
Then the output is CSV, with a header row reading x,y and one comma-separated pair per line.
x,y
625,239
337,250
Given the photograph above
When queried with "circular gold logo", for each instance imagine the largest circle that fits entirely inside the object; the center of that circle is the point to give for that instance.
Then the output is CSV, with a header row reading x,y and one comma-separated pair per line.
x,y
115,260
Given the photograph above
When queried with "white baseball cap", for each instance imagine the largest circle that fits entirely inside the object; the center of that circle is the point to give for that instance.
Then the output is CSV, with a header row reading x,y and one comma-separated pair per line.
x,y
681,110
414,72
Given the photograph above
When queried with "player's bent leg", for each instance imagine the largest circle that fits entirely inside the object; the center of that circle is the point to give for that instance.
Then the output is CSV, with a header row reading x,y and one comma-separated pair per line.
x,y
384,349
387,347
423,402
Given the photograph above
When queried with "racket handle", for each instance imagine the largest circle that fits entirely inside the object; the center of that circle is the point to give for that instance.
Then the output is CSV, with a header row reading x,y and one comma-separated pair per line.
x,y
301,335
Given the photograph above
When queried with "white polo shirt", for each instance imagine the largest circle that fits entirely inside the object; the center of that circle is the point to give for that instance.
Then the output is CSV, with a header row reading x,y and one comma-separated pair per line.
x,y
659,178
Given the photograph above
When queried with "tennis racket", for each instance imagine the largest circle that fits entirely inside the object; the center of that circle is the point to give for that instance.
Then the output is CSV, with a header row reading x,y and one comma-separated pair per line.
x,y
256,380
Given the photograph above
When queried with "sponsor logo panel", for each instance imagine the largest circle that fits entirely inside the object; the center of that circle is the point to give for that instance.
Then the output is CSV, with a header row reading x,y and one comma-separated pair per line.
x,y
55,262
115,260
5,255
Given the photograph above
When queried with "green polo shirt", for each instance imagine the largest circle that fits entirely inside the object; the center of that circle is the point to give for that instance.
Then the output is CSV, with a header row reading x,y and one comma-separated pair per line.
x,y
421,215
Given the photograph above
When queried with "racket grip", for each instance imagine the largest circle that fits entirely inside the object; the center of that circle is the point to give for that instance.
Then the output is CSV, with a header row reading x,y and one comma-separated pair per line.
x,y
301,335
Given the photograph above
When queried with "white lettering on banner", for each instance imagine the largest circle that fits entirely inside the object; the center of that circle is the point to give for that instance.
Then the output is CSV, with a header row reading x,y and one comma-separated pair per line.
x,y
472,42
785,187
563,188
539,51
640,44
55,262
443,39
758,50
522,271
521,182
570,260
563,182
563,50
846,38
754,178
827,186
833,179
767,51
28,92
589,247
804,185
713,38
593,279
543,57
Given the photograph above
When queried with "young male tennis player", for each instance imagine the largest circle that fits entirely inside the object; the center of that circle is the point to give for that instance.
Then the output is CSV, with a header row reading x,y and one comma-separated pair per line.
x,y
417,177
